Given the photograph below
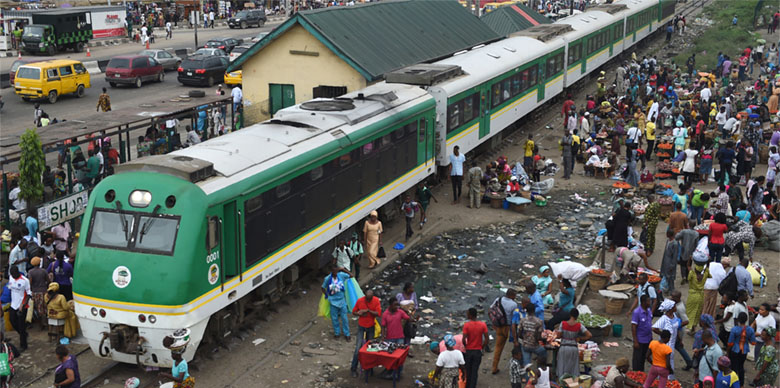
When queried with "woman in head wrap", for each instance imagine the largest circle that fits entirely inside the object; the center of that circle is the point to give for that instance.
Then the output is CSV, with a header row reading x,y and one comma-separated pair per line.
x,y
372,237
180,373
767,362
58,310
667,321
448,364
698,274
542,282
616,377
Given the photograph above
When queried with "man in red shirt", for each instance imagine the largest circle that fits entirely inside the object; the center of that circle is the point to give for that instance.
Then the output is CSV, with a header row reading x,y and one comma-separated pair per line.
x,y
475,338
567,106
367,309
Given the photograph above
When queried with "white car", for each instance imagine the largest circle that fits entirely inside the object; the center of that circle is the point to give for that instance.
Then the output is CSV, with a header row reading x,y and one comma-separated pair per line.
x,y
237,51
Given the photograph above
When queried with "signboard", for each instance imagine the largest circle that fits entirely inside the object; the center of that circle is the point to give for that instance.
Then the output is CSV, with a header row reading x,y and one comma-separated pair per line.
x,y
109,22
61,210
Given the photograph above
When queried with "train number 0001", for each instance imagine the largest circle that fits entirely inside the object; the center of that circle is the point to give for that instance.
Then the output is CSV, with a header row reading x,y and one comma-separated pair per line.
x,y
212,257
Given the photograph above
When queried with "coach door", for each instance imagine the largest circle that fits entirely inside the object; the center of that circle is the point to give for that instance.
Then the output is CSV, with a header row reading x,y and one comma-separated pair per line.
x,y
484,119
231,241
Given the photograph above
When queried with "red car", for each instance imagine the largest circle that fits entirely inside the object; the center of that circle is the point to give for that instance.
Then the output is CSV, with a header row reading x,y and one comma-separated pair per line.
x,y
24,61
133,70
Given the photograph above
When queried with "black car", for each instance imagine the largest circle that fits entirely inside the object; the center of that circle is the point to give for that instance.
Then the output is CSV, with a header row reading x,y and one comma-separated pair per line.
x,y
248,18
203,70
224,44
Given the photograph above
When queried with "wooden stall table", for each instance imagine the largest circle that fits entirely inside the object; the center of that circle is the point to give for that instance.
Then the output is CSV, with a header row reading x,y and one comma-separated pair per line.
x,y
391,361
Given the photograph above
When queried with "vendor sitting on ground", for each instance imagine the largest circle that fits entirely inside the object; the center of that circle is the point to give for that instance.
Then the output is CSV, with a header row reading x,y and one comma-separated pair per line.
x,y
512,187
592,162
616,377
494,186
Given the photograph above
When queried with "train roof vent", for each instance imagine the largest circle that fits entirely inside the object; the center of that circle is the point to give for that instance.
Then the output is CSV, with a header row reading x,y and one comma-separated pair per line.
x,y
424,74
544,32
180,166
332,105
609,8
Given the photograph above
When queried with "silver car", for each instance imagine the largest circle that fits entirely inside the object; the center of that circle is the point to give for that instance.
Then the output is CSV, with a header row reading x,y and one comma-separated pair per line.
x,y
166,59
210,51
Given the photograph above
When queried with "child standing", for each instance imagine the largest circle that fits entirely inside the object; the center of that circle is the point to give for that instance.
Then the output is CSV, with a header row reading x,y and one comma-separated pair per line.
x,y
516,368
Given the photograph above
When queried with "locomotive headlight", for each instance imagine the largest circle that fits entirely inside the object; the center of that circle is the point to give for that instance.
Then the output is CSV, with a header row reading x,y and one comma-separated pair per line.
x,y
140,198
94,311
152,319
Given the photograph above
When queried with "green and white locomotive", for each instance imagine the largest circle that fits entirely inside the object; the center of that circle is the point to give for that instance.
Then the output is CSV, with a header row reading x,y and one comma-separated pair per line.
x,y
195,238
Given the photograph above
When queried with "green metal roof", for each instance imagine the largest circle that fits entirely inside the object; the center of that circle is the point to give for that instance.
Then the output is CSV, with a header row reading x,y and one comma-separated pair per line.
x,y
376,38
513,18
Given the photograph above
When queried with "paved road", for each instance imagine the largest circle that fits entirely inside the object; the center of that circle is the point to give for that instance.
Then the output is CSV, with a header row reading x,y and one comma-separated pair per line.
x,y
17,114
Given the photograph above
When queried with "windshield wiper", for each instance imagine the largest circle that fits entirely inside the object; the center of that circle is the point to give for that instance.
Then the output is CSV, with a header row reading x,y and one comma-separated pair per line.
x,y
147,225
125,223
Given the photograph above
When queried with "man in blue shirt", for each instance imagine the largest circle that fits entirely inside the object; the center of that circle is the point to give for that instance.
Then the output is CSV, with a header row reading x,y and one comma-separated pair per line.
x,y
334,288
642,332
536,299
744,280
456,173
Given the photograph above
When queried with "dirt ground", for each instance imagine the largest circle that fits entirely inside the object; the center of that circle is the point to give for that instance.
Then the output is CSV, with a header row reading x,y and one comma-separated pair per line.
x,y
298,348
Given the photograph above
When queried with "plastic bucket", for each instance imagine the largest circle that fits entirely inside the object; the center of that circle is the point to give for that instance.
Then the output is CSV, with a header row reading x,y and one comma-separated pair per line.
x,y
585,381
617,330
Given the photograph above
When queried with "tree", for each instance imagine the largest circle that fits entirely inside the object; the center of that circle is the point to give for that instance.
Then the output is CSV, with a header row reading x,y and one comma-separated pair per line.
x,y
31,167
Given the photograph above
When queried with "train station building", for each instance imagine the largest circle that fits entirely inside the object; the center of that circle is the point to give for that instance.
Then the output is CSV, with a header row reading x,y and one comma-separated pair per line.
x,y
332,51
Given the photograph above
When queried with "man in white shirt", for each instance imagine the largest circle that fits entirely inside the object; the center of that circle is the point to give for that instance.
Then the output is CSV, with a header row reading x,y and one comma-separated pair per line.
x,y
652,114
168,31
18,257
211,18
731,126
705,95
237,95
585,124
633,139
144,32
61,235
20,294
721,119
17,202
456,173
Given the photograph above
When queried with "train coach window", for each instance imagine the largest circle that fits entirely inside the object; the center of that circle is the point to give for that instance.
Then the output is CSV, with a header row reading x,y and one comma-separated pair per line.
x,y
283,189
468,109
254,204
212,234
453,116
317,172
533,72
496,94
423,127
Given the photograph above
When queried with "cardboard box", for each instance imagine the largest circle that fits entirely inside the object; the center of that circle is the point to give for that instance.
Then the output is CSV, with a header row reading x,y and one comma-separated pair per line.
x,y
571,383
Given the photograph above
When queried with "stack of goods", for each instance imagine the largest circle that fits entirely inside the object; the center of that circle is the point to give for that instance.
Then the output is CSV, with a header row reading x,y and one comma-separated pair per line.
x,y
664,151
589,351
639,378
551,339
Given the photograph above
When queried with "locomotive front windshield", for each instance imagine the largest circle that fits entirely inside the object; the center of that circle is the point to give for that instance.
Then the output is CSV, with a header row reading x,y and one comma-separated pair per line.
x,y
131,231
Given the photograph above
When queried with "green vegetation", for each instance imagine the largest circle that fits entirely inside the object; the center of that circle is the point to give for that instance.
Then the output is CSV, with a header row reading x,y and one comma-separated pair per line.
x,y
722,35
31,167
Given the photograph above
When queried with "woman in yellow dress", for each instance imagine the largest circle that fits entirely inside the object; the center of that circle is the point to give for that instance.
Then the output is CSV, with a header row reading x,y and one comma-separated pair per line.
x,y
372,237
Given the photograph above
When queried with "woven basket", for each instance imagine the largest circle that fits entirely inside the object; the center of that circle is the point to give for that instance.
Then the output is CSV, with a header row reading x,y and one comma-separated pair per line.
x,y
614,306
597,282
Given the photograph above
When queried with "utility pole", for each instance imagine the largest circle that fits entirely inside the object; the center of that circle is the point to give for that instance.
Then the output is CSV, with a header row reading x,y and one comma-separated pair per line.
x,y
196,20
